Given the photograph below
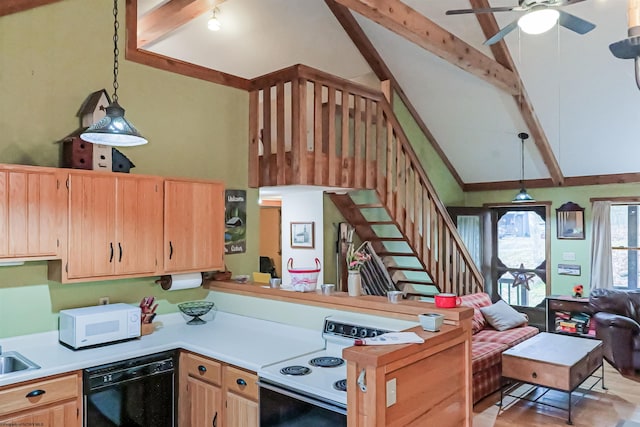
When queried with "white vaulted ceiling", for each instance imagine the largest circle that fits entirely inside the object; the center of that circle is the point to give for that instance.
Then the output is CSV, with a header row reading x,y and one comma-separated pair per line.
x,y
586,100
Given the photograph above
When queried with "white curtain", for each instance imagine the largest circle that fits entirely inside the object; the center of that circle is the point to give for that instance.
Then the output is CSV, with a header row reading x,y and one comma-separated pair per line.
x,y
469,230
601,263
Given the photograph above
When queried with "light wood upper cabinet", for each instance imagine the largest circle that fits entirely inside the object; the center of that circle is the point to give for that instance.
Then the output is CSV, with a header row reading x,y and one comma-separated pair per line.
x,y
139,225
193,225
31,210
115,225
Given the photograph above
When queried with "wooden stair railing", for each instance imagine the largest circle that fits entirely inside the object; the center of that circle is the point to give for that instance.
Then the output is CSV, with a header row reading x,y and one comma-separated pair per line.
x,y
307,127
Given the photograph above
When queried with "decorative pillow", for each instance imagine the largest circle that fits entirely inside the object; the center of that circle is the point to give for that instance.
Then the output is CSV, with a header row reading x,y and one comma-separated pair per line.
x,y
476,301
502,316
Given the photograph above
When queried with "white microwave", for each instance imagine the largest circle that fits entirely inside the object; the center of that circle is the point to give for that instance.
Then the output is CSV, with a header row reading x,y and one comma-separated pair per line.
x,y
98,325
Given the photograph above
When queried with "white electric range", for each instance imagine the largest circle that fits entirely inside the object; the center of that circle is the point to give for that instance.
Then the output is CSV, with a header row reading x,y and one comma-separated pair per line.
x,y
318,379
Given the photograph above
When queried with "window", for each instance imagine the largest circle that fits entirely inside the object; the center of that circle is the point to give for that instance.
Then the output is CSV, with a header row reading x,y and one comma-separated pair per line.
x,y
625,248
520,269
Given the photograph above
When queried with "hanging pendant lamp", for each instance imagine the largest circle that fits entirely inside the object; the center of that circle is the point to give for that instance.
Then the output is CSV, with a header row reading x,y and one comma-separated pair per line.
x,y
522,196
114,129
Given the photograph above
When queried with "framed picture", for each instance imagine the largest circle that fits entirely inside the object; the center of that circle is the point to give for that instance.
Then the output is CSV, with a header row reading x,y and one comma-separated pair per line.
x,y
569,269
570,221
302,235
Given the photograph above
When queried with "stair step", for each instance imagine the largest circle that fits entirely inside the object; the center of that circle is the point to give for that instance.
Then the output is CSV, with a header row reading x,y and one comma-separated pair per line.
x,y
369,205
387,239
399,267
397,254
377,223
415,282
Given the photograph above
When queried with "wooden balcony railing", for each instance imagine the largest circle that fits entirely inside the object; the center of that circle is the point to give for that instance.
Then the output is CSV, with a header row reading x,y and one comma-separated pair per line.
x,y
307,127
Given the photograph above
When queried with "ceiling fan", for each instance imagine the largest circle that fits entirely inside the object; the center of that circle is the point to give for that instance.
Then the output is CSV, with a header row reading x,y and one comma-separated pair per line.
x,y
539,16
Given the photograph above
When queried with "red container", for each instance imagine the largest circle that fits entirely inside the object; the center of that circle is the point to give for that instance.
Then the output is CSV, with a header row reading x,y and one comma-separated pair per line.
x,y
447,300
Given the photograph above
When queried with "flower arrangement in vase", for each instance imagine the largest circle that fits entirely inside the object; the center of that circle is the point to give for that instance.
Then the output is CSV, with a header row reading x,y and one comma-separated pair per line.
x,y
355,259
577,291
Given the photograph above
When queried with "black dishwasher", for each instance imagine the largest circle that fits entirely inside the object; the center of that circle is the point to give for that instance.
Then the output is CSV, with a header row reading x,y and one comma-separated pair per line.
x,y
136,392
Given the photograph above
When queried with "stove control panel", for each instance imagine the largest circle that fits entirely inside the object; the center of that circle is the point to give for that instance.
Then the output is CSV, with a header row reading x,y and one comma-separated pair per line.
x,y
347,330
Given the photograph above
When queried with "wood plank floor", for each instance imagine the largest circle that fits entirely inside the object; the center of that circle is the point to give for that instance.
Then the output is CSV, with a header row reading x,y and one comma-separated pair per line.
x,y
598,407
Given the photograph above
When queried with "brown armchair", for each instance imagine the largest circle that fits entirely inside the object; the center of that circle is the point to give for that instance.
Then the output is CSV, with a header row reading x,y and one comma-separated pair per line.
x,y
617,314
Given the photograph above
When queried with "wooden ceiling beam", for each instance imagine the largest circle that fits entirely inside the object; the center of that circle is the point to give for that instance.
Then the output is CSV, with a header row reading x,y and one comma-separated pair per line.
x,y
161,62
503,56
415,27
169,17
382,71
7,7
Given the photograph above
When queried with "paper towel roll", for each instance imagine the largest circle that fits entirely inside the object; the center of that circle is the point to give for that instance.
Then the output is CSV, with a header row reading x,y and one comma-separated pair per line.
x,y
176,282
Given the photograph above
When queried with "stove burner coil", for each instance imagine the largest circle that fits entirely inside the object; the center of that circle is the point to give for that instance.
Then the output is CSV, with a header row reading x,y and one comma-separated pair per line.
x,y
326,362
295,370
340,385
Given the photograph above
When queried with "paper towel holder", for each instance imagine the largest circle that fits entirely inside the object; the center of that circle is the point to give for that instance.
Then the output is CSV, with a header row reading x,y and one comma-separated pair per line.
x,y
165,281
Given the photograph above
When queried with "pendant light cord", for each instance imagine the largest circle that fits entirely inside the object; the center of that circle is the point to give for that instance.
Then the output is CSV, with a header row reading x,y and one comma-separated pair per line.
x,y
116,26
522,157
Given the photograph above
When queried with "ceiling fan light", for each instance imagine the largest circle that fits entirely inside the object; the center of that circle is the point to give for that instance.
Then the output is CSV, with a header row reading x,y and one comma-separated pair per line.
x,y
214,24
538,21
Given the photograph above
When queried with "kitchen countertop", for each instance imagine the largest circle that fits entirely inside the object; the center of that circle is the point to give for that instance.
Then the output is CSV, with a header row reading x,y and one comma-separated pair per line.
x,y
238,340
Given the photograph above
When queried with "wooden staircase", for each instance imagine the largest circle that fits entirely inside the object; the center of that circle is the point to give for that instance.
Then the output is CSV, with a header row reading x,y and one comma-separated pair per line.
x,y
307,127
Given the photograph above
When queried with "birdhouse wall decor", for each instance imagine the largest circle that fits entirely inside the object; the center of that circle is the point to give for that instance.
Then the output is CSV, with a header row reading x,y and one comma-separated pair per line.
x,y
80,154
93,108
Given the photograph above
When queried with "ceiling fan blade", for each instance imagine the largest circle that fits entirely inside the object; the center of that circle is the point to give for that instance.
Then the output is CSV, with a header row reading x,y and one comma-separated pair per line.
x,y
500,34
574,23
567,2
485,10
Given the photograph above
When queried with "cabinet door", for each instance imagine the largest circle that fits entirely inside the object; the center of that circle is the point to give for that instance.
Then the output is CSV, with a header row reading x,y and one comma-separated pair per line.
x,y
4,214
205,403
193,226
61,415
138,225
29,214
92,208
241,412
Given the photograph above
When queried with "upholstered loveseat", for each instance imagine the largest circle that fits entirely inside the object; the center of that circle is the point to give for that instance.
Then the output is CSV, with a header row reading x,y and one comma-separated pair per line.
x,y
488,344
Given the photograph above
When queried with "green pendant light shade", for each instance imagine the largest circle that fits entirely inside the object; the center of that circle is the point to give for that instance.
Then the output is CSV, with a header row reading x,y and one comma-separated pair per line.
x,y
114,129
522,196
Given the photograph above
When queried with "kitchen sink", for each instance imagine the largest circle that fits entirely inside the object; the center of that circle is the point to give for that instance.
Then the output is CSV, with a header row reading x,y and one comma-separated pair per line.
x,y
12,361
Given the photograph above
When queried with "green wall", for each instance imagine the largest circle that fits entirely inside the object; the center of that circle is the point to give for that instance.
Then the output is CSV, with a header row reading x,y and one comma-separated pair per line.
x,y
562,284
51,58
443,182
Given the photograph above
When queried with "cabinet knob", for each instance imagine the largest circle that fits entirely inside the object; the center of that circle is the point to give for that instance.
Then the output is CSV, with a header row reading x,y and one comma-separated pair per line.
x,y
534,375
35,393
202,368
241,382
111,251
215,420
170,249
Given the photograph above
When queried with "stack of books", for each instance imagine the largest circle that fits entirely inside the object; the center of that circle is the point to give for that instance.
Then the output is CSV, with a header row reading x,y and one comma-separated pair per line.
x,y
575,323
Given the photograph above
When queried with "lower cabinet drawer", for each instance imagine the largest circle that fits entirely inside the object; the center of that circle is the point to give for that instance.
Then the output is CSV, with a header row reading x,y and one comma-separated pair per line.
x,y
38,393
204,369
241,382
